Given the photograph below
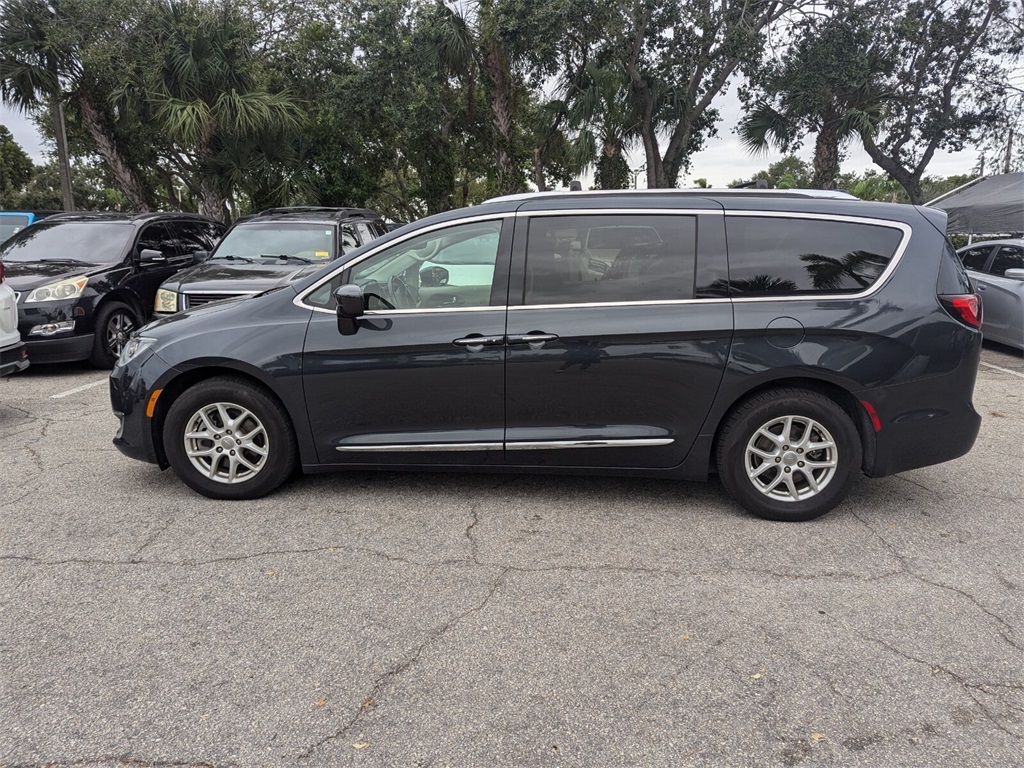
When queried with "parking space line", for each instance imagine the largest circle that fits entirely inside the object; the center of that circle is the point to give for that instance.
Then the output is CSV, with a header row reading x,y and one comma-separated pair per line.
x,y
76,390
1004,370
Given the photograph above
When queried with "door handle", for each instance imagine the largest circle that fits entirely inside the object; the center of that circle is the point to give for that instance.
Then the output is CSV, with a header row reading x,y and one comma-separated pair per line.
x,y
532,338
475,342
982,286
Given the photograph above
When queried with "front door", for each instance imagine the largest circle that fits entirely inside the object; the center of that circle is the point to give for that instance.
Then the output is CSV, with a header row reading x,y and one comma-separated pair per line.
x,y
422,379
611,360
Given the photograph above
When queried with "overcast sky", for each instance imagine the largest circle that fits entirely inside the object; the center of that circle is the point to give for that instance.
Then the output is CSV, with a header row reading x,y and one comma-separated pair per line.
x,y
723,161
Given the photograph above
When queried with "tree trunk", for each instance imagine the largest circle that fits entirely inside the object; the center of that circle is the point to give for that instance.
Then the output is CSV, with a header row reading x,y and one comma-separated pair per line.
x,y
909,180
502,112
538,170
63,161
826,157
126,178
211,202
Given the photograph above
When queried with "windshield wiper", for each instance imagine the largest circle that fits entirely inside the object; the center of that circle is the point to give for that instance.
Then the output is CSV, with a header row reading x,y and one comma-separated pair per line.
x,y
303,259
232,257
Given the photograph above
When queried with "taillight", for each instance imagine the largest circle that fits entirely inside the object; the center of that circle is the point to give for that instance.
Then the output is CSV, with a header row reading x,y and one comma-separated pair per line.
x,y
1,271
966,308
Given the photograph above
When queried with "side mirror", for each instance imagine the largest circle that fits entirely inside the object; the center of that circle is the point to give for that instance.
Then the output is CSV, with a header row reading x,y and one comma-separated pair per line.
x,y
1014,274
152,256
351,307
198,257
433,277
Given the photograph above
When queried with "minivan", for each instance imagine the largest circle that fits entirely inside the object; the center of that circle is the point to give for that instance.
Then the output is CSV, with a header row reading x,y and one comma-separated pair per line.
x,y
786,341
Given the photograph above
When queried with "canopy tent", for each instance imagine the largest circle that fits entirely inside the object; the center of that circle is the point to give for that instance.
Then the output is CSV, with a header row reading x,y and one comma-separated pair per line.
x,y
994,205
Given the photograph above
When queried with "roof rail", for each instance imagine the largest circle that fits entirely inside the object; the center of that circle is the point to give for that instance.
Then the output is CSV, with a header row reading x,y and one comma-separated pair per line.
x,y
299,209
708,192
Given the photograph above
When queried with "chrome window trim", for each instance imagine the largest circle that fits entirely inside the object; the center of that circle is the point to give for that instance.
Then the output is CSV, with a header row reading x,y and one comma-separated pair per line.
x,y
903,227
298,300
883,278
648,303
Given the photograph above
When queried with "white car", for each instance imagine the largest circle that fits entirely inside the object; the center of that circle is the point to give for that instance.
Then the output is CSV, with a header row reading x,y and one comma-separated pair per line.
x,y
13,354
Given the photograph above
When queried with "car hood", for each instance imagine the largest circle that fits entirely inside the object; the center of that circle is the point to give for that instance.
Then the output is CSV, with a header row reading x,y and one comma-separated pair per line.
x,y
222,276
26,275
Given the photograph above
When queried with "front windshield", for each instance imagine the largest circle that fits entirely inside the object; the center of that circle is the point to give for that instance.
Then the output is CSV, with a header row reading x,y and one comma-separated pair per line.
x,y
270,240
10,224
87,242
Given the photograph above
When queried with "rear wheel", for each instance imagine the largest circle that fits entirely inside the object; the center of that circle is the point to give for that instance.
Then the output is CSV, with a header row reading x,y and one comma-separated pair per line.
x,y
115,323
789,454
227,438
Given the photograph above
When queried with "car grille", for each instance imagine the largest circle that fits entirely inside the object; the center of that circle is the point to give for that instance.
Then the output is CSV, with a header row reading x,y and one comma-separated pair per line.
x,y
198,299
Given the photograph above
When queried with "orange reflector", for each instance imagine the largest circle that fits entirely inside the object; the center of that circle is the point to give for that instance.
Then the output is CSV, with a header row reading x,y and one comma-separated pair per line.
x,y
151,406
873,415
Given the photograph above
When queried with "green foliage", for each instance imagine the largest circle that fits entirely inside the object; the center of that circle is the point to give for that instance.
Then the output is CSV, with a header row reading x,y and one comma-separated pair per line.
x,y
15,168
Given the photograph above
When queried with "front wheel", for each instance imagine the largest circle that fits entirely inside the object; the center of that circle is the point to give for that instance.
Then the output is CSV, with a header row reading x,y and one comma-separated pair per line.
x,y
789,454
227,438
115,323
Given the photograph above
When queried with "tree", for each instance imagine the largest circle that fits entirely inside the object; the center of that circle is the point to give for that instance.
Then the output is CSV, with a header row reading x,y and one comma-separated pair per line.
x,y
944,69
15,168
679,57
225,129
825,85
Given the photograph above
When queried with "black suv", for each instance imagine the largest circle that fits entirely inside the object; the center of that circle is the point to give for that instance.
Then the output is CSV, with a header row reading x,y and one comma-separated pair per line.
x,y
787,341
272,248
86,281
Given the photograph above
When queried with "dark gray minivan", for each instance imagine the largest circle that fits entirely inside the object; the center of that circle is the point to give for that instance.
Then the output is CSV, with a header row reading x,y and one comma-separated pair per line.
x,y
788,341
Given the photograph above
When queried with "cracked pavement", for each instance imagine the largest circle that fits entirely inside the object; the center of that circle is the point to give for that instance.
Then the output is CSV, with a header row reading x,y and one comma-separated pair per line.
x,y
479,620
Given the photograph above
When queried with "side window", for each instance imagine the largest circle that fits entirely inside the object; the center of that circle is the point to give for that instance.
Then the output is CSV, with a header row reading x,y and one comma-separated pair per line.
x,y
446,268
365,233
976,257
1007,257
775,256
161,237
610,259
195,236
348,238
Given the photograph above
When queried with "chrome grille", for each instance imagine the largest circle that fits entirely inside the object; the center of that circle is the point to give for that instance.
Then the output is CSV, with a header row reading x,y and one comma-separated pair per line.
x,y
198,299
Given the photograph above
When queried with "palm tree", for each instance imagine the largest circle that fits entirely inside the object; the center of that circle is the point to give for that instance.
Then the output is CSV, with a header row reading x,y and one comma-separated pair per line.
x,y
826,86
30,73
206,98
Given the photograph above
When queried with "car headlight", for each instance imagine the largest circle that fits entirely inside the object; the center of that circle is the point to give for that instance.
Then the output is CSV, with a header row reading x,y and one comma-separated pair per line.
x,y
136,346
166,301
69,288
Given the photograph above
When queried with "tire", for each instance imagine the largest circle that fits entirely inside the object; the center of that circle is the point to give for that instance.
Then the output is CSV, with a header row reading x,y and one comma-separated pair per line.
x,y
202,443
763,457
115,323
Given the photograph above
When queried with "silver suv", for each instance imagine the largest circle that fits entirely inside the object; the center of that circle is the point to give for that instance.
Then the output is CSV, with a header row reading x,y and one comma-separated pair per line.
x,y
13,355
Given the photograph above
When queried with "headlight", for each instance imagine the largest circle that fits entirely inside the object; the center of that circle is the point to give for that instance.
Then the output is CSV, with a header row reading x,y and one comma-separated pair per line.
x,y
166,301
71,288
136,346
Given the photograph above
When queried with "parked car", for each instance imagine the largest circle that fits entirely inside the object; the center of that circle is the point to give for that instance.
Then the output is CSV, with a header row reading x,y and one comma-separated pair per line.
x,y
12,222
272,248
13,354
788,341
996,268
86,281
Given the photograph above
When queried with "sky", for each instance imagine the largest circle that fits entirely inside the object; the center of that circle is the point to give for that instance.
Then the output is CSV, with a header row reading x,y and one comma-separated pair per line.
x,y
723,160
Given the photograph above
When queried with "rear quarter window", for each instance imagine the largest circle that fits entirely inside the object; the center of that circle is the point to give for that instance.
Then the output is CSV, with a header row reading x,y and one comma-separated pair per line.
x,y
781,256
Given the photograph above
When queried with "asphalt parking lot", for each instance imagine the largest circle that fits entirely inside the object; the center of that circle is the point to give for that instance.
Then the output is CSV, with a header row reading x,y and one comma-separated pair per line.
x,y
476,620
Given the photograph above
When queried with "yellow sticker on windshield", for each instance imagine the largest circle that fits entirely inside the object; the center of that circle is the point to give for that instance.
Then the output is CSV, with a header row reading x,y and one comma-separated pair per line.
x,y
322,254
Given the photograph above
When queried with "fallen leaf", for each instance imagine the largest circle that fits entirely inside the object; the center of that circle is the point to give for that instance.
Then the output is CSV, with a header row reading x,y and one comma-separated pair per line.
x,y
997,414
818,736
361,745
270,573
891,527
322,702
686,637
757,676
368,703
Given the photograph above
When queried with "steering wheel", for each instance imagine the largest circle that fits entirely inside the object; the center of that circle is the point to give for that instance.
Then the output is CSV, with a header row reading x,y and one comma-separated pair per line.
x,y
401,293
